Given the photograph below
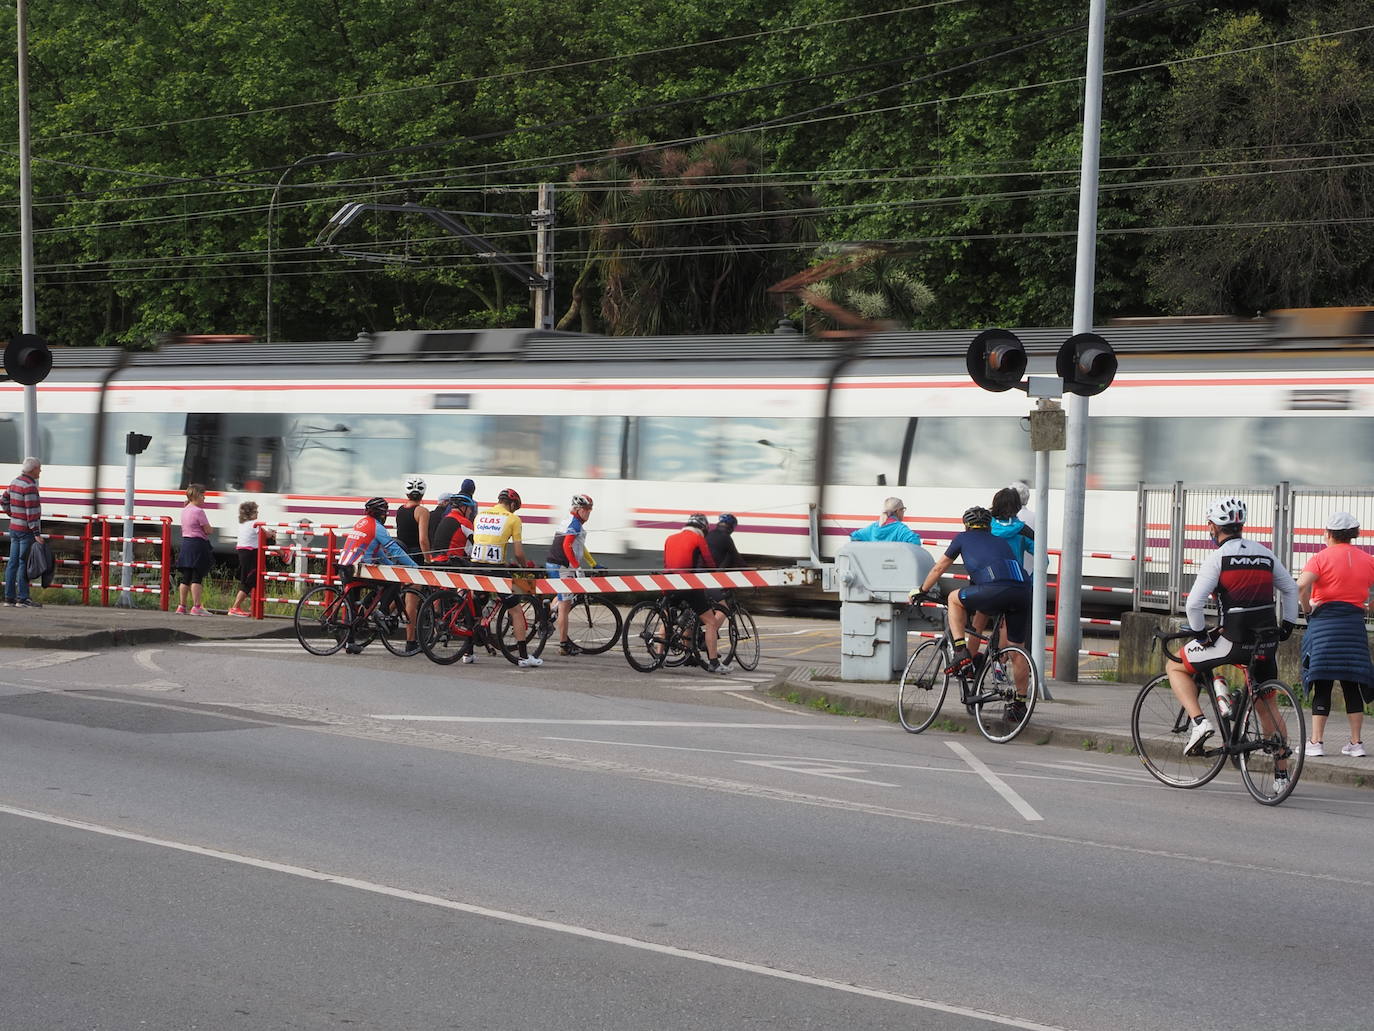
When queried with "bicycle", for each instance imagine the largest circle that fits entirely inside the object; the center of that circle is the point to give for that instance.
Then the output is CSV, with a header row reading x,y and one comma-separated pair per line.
x,y
450,624
745,648
1262,733
987,689
330,616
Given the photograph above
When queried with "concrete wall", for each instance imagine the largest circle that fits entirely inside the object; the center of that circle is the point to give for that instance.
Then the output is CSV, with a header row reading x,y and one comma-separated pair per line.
x,y
1141,658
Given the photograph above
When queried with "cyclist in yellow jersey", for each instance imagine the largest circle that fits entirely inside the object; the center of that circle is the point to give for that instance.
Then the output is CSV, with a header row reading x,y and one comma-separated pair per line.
x,y
493,531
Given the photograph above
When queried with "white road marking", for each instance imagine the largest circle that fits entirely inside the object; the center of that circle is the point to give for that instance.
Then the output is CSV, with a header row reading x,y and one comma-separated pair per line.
x,y
265,642
760,701
816,769
45,659
612,723
995,782
1106,771
145,659
157,685
520,919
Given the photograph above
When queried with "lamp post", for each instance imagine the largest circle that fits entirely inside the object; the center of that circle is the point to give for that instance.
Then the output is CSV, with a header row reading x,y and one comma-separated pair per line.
x,y
312,159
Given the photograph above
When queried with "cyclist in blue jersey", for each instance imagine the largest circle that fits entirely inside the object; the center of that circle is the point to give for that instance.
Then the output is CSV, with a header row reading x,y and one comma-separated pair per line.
x,y
997,583
368,543
1008,524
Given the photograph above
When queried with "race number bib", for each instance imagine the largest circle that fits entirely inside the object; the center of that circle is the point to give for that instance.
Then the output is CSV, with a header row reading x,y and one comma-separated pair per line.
x,y
488,553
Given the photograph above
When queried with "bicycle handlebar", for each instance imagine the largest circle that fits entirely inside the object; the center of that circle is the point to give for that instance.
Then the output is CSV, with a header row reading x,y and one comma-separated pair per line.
x,y
1178,635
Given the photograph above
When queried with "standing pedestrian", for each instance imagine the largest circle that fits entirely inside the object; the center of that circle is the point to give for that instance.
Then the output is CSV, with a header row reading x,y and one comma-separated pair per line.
x,y
195,558
1334,589
889,526
25,509
247,552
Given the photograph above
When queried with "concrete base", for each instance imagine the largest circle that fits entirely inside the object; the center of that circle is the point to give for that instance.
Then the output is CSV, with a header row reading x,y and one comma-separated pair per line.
x,y
1140,657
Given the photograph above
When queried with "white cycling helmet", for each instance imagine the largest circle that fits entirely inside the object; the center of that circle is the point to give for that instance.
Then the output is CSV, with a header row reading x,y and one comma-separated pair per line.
x,y
1226,512
415,485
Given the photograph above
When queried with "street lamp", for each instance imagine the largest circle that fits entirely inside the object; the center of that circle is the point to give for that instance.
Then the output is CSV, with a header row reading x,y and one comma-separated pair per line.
x,y
312,159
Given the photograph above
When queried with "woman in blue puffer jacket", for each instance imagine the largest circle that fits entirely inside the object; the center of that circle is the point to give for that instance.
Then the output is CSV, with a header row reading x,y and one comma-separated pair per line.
x,y
1006,503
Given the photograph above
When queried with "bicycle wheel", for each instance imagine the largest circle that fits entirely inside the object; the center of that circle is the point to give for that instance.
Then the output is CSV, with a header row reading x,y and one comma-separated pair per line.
x,y
1271,742
998,710
445,629
645,640
323,616
537,627
1160,729
745,647
923,686
594,624
393,623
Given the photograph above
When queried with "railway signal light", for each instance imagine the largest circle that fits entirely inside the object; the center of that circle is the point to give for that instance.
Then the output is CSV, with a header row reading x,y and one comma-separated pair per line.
x,y
136,443
27,359
1086,363
997,360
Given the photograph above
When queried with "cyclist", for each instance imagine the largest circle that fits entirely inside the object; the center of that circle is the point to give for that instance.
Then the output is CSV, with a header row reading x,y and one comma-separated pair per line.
x,y
1008,524
722,543
495,531
997,583
567,554
412,521
368,543
682,552
1244,574
450,543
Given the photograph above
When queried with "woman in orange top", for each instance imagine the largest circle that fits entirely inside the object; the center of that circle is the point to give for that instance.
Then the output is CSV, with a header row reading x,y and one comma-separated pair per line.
x,y
1334,590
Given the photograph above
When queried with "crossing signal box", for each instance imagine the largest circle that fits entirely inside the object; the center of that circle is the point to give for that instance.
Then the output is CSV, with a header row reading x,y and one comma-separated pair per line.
x,y
136,443
1086,363
997,360
27,359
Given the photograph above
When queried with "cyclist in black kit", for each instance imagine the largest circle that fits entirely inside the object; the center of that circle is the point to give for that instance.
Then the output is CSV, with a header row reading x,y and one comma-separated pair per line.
x,y
412,521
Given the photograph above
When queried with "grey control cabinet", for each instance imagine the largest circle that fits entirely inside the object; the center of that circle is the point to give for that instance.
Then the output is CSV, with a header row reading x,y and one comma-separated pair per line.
x,y
873,579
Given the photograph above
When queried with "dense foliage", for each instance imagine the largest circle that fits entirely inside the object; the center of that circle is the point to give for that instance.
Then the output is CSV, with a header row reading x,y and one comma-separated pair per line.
x,y
701,151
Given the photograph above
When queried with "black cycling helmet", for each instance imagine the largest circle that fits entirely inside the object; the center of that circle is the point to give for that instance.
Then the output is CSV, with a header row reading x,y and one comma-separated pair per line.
x,y
728,521
376,507
976,517
510,498
696,520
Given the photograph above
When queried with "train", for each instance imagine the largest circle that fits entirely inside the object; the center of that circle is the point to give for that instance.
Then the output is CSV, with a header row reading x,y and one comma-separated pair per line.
x,y
658,428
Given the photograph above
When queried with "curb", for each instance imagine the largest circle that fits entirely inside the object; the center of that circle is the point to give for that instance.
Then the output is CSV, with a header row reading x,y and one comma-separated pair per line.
x,y
1083,739
125,637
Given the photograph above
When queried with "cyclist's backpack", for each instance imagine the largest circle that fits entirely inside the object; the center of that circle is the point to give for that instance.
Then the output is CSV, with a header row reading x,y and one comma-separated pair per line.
x,y
5,501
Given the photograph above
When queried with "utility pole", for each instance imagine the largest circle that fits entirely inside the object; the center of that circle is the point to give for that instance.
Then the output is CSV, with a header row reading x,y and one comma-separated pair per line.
x,y
542,218
29,319
1070,630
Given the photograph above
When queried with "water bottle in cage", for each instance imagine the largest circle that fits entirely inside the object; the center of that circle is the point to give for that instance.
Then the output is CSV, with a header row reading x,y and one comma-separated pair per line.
x,y
1223,693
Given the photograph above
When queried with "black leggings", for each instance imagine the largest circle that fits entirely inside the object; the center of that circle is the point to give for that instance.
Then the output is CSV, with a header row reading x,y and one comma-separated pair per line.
x,y
1321,696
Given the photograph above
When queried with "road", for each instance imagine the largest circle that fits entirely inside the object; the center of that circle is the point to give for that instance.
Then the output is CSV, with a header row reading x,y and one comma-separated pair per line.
x,y
240,835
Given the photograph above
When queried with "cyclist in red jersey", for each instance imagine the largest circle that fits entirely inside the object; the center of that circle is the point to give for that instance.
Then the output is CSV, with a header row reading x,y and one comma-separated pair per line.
x,y
682,552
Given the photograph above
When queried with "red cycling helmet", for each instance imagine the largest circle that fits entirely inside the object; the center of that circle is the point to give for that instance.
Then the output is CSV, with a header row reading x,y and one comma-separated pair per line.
x,y
509,497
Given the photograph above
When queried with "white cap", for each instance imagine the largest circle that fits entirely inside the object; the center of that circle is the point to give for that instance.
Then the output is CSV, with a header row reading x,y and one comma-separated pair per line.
x,y
444,496
1342,521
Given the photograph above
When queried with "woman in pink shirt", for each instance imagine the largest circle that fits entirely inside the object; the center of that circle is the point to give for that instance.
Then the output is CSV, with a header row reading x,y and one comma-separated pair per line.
x,y
1334,590
195,558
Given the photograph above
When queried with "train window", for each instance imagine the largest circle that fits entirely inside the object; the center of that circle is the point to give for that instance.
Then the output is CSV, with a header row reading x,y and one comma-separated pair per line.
x,y
766,450
866,449
228,452
1317,451
11,439
969,451
450,446
162,461
1199,450
588,447
351,454
1114,453
675,449
520,445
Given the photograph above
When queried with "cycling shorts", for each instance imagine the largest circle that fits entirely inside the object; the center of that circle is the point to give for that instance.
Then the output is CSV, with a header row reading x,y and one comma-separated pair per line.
x,y
1012,598
696,599
1204,656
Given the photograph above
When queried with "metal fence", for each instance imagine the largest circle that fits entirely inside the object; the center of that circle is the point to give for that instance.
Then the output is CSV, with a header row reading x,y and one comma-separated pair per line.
x,y
1172,540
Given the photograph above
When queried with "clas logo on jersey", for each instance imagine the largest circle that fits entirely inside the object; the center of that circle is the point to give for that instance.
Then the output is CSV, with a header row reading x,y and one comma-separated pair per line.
x,y
489,523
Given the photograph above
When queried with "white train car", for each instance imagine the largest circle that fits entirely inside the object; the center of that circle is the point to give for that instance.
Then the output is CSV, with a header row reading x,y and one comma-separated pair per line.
x,y
658,428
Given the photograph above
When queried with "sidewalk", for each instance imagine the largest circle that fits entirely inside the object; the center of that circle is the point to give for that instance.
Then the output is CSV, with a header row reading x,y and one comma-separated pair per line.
x,y
1093,717
84,628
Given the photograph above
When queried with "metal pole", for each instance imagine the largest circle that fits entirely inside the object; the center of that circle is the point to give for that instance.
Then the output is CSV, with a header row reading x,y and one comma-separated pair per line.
x,y
543,218
1040,564
126,576
312,159
1070,632
28,317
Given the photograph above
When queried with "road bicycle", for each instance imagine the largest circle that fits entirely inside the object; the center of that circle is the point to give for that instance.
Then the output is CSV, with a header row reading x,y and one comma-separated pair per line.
x,y
987,689
1260,728
330,616
454,622
666,631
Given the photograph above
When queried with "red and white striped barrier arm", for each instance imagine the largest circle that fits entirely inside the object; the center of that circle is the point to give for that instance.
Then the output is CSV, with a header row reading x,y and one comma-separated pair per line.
x,y
457,580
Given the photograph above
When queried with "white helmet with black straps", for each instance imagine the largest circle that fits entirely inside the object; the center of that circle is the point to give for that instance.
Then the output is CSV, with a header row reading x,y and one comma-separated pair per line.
x,y
1226,512
415,485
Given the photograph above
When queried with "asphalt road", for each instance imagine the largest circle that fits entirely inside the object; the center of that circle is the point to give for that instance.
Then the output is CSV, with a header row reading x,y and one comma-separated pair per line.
x,y
239,835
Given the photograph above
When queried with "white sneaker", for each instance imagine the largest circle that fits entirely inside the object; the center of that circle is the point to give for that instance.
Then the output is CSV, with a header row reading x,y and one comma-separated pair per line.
x,y
531,662
1201,732
1355,750
469,658
1315,748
